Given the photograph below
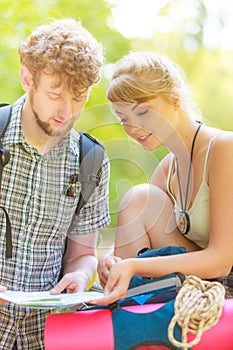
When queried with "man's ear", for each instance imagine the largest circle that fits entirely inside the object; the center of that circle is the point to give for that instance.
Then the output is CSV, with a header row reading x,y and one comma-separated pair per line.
x,y
26,78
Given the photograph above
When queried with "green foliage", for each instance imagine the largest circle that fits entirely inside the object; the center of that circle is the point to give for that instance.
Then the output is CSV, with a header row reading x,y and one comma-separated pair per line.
x,y
211,74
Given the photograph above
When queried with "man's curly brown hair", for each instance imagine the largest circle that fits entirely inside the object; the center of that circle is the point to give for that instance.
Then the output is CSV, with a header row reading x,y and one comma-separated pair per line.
x,y
65,50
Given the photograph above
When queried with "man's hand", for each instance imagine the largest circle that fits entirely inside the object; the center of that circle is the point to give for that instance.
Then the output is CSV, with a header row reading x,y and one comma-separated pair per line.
x,y
71,282
106,261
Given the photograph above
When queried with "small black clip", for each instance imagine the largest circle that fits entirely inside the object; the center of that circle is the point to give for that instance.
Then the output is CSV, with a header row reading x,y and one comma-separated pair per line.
x,y
74,178
71,191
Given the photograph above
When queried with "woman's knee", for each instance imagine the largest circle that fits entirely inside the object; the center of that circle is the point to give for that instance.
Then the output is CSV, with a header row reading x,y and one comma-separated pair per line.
x,y
135,196
140,216
142,198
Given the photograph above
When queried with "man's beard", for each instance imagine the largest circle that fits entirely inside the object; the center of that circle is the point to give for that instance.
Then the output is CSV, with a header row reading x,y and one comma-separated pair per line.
x,y
60,131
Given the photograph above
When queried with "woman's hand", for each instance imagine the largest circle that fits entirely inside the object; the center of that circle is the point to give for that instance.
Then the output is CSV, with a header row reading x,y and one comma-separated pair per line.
x,y
118,281
106,261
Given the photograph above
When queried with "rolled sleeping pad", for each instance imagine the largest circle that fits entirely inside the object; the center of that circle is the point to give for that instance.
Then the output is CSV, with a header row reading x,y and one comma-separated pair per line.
x,y
90,329
93,329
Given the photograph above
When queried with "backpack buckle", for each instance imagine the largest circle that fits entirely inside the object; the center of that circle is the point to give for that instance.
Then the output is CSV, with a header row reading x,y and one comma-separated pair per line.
x,y
4,156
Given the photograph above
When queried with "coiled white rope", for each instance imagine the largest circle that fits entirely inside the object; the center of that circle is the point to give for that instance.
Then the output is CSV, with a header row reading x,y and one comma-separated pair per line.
x,y
198,307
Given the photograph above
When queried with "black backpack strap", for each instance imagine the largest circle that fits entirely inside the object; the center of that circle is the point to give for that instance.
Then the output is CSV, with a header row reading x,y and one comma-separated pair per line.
x,y
4,121
5,113
4,118
91,159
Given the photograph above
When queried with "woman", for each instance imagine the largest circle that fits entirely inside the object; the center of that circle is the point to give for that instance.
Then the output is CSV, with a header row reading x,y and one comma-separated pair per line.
x,y
189,199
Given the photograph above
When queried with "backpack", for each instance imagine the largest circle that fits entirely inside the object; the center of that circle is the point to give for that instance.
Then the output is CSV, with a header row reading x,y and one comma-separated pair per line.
x,y
143,290
90,161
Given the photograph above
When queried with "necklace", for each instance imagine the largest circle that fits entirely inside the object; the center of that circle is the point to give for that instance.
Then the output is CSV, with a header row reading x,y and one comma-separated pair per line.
x,y
183,220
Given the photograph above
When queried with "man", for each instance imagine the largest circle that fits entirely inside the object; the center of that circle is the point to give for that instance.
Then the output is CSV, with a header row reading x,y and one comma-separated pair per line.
x,y
59,64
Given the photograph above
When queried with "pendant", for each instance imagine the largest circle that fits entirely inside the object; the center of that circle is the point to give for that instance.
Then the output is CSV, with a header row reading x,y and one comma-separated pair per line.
x,y
183,222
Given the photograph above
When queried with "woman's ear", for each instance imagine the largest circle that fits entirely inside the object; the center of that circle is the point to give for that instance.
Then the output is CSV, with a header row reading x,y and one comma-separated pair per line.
x,y
176,100
26,78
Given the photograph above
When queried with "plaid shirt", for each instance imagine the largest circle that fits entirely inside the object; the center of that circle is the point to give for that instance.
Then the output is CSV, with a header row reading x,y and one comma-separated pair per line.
x,y
34,194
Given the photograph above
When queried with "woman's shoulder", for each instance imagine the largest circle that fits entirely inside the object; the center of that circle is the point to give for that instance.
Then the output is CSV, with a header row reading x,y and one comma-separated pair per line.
x,y
220,169
216,137
222,148
223,139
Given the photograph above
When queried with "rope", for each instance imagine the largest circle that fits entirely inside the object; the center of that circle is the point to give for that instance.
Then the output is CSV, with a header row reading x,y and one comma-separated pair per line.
x,y
198,307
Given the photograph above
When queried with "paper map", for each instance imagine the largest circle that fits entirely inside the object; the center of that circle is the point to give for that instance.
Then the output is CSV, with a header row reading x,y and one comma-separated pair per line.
x,y
45,300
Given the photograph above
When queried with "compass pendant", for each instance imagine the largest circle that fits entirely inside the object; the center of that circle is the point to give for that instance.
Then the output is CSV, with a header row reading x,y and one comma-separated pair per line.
x,y
183,222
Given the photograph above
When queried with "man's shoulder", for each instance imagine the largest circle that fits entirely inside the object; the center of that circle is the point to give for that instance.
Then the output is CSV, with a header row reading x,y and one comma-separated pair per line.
x,y
76,136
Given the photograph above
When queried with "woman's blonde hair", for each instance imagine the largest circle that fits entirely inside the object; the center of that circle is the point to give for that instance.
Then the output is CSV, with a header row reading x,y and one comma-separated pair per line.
x,y
66,50
142,76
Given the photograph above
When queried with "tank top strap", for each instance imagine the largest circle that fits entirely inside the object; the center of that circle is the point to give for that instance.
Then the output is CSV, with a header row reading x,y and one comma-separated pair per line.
x,y
171,170
206,159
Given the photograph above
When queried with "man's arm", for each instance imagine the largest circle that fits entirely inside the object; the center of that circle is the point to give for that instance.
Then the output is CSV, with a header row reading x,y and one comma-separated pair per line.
x,y
80,264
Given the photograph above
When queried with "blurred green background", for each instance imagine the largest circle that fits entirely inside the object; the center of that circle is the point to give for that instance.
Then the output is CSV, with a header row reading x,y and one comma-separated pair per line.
x,y
194,33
